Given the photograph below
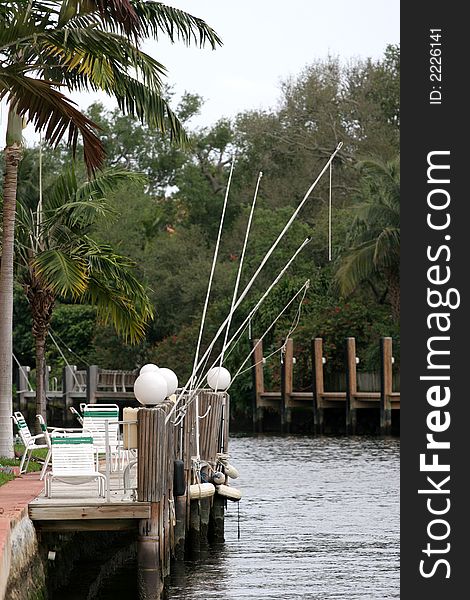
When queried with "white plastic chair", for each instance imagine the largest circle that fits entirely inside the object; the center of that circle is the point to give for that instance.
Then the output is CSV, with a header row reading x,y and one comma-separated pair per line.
x,y
73,459
94,419
76,414
47,439
29,441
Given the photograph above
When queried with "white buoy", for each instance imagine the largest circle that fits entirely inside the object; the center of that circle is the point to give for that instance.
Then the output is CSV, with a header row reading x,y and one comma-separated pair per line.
x,y
228,492
148,368
201,490
170,378
231,471
218,378
150,388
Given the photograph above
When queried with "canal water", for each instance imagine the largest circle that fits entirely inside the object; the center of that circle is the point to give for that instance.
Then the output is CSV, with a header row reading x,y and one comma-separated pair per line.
x,y
319,520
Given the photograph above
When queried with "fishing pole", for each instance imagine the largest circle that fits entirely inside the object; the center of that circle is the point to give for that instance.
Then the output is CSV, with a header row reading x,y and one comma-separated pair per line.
x,y
263,262
237,281
261,300
304,289
242,326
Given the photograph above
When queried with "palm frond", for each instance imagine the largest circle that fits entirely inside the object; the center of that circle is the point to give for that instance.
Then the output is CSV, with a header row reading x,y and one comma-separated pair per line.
x,y
119,13
115,308
156,18
387,248
53,113
63,274
97,55
355,267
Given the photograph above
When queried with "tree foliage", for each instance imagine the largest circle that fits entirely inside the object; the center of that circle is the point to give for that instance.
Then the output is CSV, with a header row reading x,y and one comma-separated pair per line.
x,y
169,226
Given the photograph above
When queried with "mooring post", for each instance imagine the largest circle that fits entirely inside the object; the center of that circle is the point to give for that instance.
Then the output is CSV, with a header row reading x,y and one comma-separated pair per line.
x,y
67,389
150,442
195,528
351,386
258,384
91,383
180,527
386,384
287,367
317,385
217,517
23,387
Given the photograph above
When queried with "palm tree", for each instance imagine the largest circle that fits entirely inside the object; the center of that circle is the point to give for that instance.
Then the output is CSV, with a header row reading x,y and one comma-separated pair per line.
x,y
78,45
57,258
375,235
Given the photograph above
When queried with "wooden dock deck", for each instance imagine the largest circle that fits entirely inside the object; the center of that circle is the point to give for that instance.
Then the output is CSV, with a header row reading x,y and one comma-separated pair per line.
x,y
79,508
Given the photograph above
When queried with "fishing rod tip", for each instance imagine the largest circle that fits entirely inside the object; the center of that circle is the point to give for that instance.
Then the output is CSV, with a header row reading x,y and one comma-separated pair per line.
x,y
339,146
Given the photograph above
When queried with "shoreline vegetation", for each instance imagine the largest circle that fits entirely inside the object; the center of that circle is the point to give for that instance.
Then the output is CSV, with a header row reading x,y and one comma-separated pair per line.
x,y
166,225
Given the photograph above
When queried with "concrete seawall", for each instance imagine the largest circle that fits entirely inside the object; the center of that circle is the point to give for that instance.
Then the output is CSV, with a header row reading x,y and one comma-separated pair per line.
x,y
22,575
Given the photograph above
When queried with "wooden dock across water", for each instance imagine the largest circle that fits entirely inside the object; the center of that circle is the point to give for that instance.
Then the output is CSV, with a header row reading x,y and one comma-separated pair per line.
x,y
351,399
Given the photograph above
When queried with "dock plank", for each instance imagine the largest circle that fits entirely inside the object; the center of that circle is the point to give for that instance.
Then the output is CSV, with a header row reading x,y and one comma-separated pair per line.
x,y
46,511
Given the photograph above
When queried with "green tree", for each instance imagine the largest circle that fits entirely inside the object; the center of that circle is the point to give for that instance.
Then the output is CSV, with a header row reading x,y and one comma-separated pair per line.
x,y
81,45
58,259
375,235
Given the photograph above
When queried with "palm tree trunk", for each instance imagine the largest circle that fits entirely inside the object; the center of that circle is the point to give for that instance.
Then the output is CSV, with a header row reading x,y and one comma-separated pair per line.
x,y
41,302
13,154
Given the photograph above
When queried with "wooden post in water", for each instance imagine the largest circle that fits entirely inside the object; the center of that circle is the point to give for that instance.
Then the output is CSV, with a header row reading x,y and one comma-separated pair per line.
x,y
91,383
317,384
151,450
258,384
385,385
180,501
67,388
23,387
351,386
287,367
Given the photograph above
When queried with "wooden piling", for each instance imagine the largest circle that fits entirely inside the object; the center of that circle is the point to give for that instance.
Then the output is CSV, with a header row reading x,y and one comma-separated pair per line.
x,y
23,388
351,386
317,384
204,511
152,475
91,383
258,384
386,387
180,527
287,367
217,520
67,389
194,529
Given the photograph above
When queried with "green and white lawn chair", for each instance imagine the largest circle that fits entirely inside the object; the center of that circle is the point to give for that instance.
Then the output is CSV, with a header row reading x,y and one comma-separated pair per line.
x,y
73,460
29,441
76,414
94,420
47,439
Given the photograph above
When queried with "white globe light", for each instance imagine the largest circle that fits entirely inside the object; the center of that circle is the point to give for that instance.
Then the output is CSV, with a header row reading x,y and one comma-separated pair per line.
x,y
170,378
219,378
148,368
150,388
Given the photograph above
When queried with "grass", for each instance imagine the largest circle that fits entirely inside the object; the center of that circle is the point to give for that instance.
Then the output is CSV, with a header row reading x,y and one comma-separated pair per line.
x,y
15,462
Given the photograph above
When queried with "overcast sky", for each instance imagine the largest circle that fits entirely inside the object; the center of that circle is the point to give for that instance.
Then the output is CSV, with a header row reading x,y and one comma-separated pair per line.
x,y
265,41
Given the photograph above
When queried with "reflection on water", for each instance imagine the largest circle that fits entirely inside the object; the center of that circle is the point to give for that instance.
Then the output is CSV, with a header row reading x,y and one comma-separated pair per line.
x,y
319,520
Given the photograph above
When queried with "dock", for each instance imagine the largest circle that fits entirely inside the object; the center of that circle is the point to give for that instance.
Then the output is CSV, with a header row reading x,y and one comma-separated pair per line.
x,y
285,401
168,524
